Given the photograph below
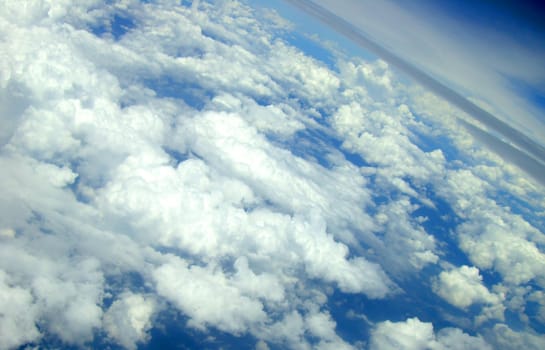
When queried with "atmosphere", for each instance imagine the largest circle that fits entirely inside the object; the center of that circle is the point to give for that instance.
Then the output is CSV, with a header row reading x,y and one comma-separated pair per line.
x,y
283,174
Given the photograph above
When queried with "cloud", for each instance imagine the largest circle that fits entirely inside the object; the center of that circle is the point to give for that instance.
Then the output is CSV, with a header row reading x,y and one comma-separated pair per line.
x,y
128,319
322,326
379,133
502,337
415,334
463,287
207,297
534,151
261,345
17,322
63,296
463,61
408,245
198,162
492,236
518,259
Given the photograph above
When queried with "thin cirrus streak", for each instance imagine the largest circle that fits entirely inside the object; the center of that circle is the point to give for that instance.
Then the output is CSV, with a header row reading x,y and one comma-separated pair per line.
x,y
515,146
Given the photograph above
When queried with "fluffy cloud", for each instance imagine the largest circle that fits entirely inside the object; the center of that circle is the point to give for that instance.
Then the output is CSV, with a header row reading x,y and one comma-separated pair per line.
x,y
191,160
192,194
208,297
414,334
128,319
518,259
452,51
17,322
407,245
66,295
504,337
463,287
493,236
379,134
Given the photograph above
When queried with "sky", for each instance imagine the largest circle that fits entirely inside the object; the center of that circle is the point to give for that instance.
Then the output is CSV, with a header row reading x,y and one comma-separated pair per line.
x,y
434,53
485,51
259,175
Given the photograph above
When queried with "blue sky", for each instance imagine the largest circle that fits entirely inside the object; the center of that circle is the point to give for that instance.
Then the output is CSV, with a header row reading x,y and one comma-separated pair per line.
x,y
434,44
225,174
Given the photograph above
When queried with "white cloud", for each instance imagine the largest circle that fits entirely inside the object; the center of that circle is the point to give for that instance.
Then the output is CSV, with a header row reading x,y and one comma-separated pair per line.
x,y
518,259
193,193
70,299
426,38
492,236
463,287
7,233
411,334
261,345
199,190
290,330
503,337
455,339
17,320
279,119
128,319
539,298
379,133
66,296
103,194
293,329
322,326
265,286
318,83
440,118
414,334
407,245
208,297
294,184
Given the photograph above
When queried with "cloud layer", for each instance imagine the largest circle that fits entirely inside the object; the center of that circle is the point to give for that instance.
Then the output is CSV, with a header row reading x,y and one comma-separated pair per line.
x,y
171,163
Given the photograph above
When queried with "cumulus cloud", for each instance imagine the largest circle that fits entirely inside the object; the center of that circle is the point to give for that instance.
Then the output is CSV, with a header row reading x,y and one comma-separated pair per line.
x,y
128,319
408,245
463,287
447,57
493,236
518,259
380,134
17,322
208,297
504,337
167,166
415,334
